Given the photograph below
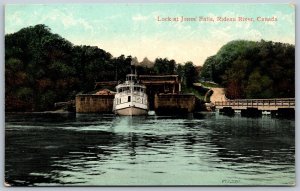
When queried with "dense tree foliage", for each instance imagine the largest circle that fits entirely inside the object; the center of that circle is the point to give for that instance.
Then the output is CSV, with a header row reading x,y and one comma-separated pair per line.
x,y
187,71
189,74
42,68
249,69
164,66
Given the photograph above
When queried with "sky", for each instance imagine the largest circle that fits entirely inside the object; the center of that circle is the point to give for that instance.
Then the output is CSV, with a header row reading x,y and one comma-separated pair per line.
x,y
138,29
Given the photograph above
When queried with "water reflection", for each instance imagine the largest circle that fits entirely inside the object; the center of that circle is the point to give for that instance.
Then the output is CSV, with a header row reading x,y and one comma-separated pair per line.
x,y
150,150
252,146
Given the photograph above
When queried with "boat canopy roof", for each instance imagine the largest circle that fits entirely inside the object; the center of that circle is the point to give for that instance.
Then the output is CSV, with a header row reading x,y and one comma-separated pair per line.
x,y
131,77
129,85
134,75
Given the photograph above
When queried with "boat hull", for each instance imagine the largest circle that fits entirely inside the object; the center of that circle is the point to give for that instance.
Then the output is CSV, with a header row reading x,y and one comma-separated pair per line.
x,y
130,111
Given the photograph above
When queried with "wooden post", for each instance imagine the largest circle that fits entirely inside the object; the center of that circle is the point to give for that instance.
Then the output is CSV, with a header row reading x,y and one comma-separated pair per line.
x,y
173,88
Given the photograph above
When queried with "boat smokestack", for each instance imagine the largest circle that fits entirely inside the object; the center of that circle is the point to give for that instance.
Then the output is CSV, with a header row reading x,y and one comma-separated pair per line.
x,y
134,63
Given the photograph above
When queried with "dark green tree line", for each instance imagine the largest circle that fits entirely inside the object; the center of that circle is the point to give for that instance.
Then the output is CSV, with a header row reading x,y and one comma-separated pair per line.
x,y
249,69
42,68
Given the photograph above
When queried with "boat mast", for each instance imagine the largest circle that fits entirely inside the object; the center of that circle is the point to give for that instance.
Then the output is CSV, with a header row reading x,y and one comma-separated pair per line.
x,y
134,62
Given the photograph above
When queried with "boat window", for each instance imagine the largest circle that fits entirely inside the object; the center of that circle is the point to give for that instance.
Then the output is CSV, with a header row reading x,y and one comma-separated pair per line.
x,y
129,98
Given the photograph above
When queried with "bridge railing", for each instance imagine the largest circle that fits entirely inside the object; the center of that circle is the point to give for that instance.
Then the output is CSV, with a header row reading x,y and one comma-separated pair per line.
x,y
282,102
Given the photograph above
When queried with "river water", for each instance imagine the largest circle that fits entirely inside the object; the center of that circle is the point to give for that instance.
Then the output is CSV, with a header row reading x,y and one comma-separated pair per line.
x,y
96,149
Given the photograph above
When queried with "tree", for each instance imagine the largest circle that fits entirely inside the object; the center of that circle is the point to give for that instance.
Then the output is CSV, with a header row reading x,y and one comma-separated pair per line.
x,y
164,66
42,68
249,69
190,74
208,70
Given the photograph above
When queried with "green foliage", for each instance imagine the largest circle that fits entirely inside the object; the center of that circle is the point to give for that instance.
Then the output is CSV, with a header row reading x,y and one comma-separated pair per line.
x,y
190,74
187,71
42,68
259,85
122,65
46,100
249,69
164,66
200,94
208,70
24,93
210,85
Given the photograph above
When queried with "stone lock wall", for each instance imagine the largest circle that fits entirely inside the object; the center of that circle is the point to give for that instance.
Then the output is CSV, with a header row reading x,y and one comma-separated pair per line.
x,y
90,103
173,102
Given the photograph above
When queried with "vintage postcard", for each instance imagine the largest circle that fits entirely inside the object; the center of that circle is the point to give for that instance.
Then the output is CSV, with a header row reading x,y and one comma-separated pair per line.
x,y
150,95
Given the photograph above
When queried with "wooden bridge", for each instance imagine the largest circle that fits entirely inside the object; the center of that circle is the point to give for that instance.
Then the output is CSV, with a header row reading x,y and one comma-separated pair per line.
x,y
259,104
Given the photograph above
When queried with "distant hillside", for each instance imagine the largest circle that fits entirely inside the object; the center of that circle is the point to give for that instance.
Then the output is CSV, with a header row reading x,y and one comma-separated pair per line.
x,y
249,69
146,63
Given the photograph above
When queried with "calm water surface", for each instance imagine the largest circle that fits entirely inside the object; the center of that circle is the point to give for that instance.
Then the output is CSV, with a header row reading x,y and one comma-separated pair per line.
x,y
69,149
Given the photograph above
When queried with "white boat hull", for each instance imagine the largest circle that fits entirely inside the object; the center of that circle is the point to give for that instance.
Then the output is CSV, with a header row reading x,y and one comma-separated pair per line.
x,y
131,98
130,111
